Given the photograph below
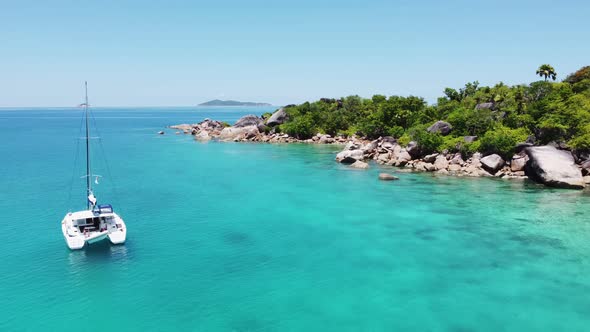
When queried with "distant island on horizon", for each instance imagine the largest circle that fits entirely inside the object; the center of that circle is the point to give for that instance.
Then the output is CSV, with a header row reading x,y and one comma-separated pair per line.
x,y
217,102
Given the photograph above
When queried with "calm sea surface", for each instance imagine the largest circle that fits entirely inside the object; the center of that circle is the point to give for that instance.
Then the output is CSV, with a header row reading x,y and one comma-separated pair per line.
x,y
254,237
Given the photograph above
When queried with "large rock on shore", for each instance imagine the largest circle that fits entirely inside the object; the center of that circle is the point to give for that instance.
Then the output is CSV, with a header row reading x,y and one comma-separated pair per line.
x,y
211,125
326,139
235,133
277,118
430,158
492,163
518,162
413,150
370,147
247,121
441,162
441,127
553,167
349,156
402,158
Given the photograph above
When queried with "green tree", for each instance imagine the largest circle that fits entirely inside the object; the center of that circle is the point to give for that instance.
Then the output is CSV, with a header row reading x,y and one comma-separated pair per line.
x,y
502,140
547,71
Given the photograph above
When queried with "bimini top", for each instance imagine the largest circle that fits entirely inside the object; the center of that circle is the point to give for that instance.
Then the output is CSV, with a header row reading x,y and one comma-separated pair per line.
x,y
103,208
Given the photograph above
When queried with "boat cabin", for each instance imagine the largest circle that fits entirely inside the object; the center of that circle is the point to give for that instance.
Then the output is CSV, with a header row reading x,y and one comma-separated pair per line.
x,y
92,221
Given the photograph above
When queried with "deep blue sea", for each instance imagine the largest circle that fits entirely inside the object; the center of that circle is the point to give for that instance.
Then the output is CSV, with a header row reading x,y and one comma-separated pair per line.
x,y
261,237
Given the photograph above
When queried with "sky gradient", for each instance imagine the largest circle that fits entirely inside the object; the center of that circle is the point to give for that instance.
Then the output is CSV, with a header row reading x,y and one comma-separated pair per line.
x,y
181,53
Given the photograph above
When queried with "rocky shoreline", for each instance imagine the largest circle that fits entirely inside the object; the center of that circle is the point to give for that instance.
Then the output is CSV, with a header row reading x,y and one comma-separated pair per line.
x,y
544,164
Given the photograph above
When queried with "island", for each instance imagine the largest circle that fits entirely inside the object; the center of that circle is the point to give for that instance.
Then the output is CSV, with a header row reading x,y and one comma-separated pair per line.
x,y
217,102
539,131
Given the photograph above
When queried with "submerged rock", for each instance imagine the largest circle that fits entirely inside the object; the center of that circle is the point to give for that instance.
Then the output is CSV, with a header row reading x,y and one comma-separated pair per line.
x,y
359,164
387,177
553,167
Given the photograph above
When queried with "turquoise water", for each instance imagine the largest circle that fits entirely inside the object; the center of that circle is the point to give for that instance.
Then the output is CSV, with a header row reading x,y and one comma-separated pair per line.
x,y
253,237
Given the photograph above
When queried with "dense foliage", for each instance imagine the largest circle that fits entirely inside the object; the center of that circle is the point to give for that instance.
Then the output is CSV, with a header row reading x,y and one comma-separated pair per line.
x,y
500,116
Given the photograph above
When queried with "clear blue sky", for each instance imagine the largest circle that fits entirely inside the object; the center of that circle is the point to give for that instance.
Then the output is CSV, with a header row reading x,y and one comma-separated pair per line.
x,y
185,52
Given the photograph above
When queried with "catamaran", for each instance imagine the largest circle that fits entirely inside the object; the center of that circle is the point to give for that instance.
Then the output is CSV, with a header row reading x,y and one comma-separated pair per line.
x,y
99,221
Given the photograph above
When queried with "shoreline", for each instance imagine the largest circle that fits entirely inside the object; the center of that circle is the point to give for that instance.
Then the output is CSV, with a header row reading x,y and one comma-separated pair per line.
x,y
542,164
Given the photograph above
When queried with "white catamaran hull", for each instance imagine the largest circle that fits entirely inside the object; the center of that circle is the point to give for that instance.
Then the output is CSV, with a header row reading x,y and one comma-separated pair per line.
x,y
111,226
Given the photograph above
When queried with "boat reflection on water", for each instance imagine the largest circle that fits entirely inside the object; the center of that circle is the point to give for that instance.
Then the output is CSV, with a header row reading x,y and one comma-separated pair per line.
x,y
96,253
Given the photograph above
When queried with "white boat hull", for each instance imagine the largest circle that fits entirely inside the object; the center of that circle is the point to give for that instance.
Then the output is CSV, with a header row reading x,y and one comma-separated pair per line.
x,y
113,228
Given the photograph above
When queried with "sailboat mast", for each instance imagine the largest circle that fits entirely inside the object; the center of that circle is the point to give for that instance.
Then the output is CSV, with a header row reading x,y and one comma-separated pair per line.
x,y
88,173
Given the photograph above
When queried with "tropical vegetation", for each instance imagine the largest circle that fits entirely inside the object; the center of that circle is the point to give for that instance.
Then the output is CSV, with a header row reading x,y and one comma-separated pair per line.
x,y
500,116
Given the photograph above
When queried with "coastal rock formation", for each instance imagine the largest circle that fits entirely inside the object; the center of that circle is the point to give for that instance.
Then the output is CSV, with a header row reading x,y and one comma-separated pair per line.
x,y
349,156
352,145
553,167
441,127
203,136
402,158
413,149
560,171
518,162
247,121
387,177
325,139
237,133
370,147
492,163
277,118
441,163
457,159
210,125
430,158
521,146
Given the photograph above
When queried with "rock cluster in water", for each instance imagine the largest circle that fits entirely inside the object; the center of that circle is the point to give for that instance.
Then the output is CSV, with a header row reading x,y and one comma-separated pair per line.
x,y
543,164
250,128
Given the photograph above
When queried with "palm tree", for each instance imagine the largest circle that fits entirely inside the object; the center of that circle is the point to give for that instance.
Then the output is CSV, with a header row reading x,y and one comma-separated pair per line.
x,y
547,71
